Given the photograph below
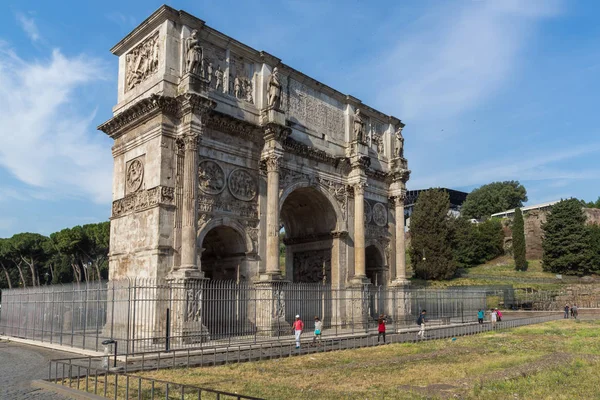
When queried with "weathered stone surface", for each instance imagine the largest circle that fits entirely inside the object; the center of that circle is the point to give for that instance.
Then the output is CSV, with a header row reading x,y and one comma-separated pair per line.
x,y
218,146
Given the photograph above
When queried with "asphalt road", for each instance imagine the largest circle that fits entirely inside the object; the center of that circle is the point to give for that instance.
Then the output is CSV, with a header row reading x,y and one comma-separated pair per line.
x,y
19,365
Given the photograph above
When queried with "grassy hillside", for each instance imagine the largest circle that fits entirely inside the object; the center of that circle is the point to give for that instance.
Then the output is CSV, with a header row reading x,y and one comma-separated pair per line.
x,y
501,271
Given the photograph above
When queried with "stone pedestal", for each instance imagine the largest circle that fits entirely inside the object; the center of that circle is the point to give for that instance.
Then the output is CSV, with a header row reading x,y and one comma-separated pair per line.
x,y
269,316
399,299
187,293
357,301
192,83
272,115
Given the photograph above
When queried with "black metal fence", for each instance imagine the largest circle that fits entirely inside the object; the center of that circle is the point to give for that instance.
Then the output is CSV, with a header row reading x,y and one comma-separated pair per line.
x,y
147,315
94,375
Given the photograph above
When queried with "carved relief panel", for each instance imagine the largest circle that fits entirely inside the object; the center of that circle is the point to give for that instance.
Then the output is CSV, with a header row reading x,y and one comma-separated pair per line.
x,y
216,65
142,61
134,175
239,201
211,178
242,185
241,78
312,266
312,108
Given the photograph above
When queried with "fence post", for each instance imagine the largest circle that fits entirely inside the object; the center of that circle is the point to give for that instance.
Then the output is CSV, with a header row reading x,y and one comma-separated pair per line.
x,y
168,330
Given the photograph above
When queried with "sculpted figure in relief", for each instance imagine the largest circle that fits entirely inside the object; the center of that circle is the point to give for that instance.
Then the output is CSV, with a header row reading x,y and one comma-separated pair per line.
x,y
237,87
359,126
274,90
209,74
141,62
249,98
219,78
194,53
399,143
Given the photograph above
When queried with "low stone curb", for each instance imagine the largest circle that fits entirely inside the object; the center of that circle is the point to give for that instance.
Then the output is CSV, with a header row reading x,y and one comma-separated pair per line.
x,y
65,390
52,346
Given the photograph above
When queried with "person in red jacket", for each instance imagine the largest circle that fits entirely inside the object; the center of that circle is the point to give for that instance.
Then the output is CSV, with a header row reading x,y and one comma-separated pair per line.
x,y
298,328
381,327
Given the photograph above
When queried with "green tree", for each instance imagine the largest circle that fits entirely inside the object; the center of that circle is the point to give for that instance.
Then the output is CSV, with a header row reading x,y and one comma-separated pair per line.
x,y
591,204
464,242
96,246
31,249
566,241
594,240
518,237
431,253
492,198
474,244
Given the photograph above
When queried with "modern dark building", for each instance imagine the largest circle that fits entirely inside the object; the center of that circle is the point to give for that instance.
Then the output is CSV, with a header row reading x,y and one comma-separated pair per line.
x,y
457,198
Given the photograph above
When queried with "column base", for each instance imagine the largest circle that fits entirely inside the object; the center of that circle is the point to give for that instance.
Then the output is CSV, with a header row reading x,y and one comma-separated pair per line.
x,y
186,272
359,280
271,277
400,282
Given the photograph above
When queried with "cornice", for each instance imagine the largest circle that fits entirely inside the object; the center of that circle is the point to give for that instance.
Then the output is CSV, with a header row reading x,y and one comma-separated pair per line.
x,y
294,147
235,127
143,109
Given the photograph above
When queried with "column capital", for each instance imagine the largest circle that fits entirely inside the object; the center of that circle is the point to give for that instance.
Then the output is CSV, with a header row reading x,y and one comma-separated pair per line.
x,y
271,163
359,188
398,199
191,141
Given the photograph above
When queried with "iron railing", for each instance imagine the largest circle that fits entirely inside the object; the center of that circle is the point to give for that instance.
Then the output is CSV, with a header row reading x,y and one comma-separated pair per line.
x,y
91,375
147,315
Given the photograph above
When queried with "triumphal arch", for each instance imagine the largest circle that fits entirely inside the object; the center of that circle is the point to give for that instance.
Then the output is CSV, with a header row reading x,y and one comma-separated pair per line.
x,y
220,148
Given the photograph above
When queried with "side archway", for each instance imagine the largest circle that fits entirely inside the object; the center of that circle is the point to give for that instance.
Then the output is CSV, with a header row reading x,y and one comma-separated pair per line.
x,y
223,249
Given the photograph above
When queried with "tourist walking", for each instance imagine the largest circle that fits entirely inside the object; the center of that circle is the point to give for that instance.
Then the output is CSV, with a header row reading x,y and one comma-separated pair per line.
x,y
318,328
480,316
381,328
574,311
421,322
499,314
493,317
566,311
298,328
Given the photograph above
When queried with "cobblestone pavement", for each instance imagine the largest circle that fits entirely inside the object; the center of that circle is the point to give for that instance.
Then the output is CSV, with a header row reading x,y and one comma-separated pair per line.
x,y
19,365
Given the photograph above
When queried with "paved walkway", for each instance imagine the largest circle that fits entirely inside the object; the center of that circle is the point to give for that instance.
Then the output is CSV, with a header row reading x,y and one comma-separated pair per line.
x,y
19,365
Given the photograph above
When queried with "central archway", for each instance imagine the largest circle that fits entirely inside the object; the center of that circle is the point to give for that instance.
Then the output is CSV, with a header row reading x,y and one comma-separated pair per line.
x,y
308,219
223,253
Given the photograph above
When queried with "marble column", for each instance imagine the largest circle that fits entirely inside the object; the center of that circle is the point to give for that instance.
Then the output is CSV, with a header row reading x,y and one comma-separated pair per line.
x,y
400,249
272,263
190,196
359,231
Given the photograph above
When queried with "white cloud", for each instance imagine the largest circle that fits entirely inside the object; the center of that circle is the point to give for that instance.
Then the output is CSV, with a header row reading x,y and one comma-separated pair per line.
x,y
455,57
29,26
518,167
46,141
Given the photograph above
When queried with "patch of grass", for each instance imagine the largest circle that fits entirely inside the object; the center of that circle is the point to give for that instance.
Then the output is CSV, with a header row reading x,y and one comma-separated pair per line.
x,y
527,361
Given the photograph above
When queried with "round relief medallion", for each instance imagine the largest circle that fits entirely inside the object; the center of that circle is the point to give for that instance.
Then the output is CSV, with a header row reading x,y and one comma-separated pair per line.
x,y
379,214
368,212
211,178
242,185
135,176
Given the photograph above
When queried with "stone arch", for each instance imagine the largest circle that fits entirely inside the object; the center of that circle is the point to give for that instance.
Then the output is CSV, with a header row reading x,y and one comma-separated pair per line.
x,y
309,216
375,262
235,225
224,246
341,222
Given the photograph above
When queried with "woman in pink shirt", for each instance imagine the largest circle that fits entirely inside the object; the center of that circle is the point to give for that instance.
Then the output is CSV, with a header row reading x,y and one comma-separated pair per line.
x,y
298,328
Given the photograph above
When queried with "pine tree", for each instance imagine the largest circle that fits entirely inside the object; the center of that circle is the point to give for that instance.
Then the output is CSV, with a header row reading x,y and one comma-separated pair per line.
x,y
518,237
431,252
566,242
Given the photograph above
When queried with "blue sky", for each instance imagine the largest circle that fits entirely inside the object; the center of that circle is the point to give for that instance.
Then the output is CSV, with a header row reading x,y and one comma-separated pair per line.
x,y
489,90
